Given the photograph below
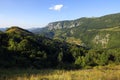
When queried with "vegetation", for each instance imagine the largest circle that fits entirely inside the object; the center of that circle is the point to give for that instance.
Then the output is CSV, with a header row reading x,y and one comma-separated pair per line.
x,y
87,32
109,72
87,47
47,56
23,49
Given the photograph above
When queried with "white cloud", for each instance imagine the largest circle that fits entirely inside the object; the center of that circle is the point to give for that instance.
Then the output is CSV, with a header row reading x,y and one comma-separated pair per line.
x,y
56,7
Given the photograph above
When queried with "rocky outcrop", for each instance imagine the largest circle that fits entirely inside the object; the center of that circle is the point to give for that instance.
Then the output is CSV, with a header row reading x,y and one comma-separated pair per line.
x,y
101,39
62,25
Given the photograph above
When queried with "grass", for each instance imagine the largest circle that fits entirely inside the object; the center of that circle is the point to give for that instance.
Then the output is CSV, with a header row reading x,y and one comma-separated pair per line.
x,y
73,40
108,29
97,73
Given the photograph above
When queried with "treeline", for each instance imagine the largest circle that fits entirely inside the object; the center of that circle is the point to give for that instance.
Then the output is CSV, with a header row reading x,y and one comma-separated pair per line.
x,y
33,51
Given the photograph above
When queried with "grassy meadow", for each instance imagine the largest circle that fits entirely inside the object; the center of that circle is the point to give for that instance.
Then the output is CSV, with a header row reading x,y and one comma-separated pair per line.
x,y
97,73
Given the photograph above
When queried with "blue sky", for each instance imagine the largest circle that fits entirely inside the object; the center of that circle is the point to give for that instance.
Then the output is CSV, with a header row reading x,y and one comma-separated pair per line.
x,y
38,13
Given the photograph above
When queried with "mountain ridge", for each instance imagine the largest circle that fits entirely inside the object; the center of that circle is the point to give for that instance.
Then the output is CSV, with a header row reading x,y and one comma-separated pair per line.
x,y
91,32
82,21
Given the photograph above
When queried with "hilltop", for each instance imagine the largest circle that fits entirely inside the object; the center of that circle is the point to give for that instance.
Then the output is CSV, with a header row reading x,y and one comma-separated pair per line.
x,y
17,30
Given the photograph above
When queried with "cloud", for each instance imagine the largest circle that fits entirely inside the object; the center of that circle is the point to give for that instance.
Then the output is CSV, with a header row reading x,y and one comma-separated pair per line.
x,y
56,7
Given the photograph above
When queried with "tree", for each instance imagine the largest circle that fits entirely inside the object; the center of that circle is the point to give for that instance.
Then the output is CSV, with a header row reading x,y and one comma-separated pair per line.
x,y
60,57
78,62
24,45
12,45
103,59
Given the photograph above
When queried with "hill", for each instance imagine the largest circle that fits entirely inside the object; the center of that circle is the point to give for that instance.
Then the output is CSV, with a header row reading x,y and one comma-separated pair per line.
x,y
96,32
19,49
19,31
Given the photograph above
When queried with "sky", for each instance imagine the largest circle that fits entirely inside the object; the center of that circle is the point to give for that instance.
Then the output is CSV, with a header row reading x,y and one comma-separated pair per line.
x,y
38,13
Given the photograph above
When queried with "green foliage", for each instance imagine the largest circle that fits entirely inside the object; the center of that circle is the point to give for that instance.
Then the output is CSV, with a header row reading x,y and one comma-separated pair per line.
x,y
103,59
60,57
12,45
33,51
79,62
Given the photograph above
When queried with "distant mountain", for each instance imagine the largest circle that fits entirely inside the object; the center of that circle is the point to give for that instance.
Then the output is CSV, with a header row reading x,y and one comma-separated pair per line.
x,y
94,32
107,21
0,31
37,30
3,29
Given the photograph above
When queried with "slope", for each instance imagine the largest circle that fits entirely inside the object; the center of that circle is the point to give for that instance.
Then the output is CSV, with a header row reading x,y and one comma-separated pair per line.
x,y
96,32
20,48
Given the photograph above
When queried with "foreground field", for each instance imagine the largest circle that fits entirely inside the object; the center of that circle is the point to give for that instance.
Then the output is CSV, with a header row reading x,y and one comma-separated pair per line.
x,y
97,73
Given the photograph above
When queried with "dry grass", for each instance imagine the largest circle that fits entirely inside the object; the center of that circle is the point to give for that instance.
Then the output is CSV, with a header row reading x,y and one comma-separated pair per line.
x,y
97,73
73,40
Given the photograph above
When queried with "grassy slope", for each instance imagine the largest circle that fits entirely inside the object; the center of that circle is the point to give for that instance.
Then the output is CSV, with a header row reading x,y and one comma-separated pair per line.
x,y
97,73
87,37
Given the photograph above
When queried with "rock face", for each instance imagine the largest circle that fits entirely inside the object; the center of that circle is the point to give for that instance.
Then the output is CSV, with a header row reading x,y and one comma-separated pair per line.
x,y
62,25
103,40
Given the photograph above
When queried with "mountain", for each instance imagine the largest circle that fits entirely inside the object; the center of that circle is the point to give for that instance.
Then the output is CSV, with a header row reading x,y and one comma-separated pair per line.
x,y
95,32
3,29
107,21
38,30
0,31
17,30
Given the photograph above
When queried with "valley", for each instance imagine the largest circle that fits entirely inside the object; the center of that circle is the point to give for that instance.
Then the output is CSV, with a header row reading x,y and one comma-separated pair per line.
x,y
59,39
63,50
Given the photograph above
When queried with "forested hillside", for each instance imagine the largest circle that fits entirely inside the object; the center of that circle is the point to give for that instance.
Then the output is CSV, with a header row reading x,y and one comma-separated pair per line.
x,y
20,48
95,32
